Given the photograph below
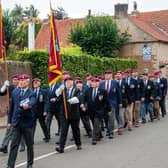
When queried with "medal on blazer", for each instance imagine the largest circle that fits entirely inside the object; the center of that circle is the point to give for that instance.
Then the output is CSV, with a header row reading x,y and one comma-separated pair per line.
x,y
100,97
132,86
114,90
41,98
161,85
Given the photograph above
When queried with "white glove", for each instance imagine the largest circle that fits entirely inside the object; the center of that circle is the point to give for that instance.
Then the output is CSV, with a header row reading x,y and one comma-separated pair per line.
x,y
73,100
62,87
58,92
6,83
3,89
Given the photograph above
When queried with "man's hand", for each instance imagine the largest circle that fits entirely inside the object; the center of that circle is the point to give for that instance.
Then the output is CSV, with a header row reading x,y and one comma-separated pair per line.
x,y
53,100
25,106
120,105
45,114
9,126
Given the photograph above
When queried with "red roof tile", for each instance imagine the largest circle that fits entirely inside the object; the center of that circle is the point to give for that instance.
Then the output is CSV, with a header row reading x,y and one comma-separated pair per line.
x,y
63,28
154,23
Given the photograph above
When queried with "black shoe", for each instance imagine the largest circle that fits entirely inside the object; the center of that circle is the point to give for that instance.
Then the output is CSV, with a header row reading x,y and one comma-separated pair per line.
x,y
59,150
94,142
129,129
46,140
72,139
79,147
57,134
4,149
144,121
22,149
125,124
111,136
57,142
29,166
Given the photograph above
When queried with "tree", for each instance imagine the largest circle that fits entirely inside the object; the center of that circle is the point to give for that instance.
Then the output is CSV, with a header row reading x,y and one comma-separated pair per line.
x,y
30,12
99,36
8,27
60,14
17,15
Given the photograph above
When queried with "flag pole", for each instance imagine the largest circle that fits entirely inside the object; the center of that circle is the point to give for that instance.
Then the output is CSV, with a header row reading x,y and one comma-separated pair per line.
x,y
63,92
3,52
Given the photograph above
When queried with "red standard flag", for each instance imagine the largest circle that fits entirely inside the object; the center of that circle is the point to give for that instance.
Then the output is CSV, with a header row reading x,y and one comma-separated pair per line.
x,y
2,43
54,64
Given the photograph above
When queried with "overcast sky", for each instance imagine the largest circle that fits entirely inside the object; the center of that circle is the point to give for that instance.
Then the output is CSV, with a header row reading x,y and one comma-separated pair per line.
x,y
79,8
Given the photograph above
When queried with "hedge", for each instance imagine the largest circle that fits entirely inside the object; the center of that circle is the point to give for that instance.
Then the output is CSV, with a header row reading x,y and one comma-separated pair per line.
x,y
77,64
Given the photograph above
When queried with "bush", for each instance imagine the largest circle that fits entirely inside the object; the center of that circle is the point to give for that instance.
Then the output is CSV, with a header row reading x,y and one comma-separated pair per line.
x,y
78,64
99,35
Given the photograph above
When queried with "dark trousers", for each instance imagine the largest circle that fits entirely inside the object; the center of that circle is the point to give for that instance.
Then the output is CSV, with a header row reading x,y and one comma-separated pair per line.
x,y
49,121
163,106
97,129
74,123
86,123
16,139
42,125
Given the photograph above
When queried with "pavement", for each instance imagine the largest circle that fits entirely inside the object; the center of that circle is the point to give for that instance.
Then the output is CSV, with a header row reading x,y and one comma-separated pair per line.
x,y
144,147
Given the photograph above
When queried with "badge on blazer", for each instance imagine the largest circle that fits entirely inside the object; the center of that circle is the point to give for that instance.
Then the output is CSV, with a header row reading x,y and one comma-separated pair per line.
x,y
149,87
138,86
161,85
100,97
114,90
41,98
123,90
132,86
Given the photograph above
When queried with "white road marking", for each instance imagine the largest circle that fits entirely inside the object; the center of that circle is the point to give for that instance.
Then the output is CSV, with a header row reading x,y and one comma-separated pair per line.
x,y
48,154
43,156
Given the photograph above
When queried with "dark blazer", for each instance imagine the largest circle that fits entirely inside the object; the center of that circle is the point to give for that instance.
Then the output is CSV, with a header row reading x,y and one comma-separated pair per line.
x,y
41,105
100,105
114,95
2,93
72,109
124,92
17,116
139,89
53,107
163,86
148,91
157,92
131,87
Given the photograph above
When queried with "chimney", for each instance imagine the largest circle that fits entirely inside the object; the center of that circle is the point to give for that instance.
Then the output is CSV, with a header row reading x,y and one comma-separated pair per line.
x,y
135,12
121,11
89,12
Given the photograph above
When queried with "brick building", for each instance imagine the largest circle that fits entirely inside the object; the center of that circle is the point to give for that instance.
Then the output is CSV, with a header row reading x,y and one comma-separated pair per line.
x,y
149,36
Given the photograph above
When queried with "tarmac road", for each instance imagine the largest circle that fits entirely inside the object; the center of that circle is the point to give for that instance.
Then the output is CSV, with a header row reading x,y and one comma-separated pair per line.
x,y
144,147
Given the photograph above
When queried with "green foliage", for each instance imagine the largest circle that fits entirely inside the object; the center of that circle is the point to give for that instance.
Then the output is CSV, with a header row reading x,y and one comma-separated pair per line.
x,y
60,13
16,25
8,27
30,12
78,64
99,36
